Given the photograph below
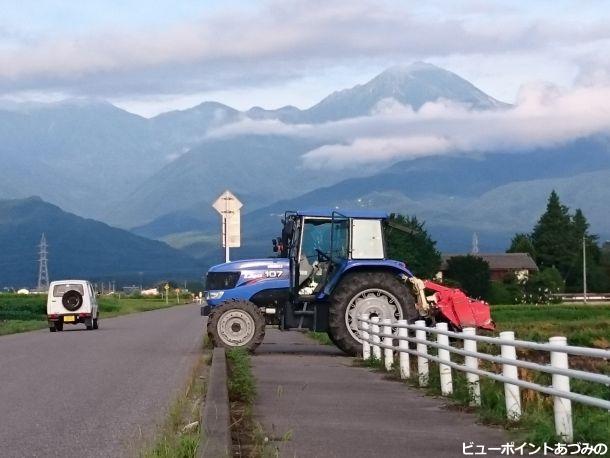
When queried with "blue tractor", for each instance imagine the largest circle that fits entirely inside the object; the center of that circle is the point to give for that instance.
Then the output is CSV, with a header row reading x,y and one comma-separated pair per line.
x,y
330,268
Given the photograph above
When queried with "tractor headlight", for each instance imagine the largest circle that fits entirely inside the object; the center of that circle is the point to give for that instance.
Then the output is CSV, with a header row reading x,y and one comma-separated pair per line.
x,y
211,295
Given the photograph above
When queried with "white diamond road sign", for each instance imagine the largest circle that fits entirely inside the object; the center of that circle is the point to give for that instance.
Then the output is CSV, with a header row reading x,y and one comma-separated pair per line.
x,y
229,208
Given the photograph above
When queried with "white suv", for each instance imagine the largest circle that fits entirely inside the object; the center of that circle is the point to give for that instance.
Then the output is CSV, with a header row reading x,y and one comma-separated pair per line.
x,y
71,301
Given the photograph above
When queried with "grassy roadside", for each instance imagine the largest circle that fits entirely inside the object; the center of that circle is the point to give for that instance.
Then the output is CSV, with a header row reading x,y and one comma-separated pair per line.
x,y
242,392
536,425
247,435
180,435
584,325
28,313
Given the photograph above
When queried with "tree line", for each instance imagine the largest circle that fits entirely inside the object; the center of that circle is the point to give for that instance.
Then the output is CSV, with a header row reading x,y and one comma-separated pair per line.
x,y
555,243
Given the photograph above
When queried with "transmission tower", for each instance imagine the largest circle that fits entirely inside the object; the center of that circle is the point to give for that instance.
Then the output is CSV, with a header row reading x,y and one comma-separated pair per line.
x,y
43,270
475,243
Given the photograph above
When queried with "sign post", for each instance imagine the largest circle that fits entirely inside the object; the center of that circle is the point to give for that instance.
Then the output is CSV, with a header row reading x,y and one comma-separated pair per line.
x,y
229,208
166,287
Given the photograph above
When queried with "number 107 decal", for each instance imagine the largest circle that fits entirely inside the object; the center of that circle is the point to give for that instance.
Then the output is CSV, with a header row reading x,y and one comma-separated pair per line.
x,y
273,273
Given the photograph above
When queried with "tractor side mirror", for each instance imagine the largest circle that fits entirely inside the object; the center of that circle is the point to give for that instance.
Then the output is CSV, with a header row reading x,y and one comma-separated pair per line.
x,y
275,248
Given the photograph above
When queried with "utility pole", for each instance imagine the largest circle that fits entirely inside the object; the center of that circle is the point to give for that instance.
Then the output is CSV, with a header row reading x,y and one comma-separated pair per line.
x,y
584,269
226,238
43,270
229,208
475,244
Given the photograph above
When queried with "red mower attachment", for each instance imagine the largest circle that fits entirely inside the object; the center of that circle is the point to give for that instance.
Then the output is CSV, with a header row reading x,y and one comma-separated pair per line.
x,y
461,310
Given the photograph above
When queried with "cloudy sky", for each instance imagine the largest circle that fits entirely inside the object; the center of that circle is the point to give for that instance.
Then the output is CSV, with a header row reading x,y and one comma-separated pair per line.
x,y
150,56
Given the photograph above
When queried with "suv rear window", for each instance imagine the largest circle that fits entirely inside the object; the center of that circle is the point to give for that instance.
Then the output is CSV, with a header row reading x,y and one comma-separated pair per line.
x,y
60,290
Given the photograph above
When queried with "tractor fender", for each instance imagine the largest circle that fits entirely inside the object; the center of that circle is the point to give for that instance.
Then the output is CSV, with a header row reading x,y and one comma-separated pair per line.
x,y
396,267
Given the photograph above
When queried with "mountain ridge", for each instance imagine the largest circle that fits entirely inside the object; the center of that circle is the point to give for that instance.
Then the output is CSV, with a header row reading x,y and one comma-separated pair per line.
x,y
81,248
160,175
106,153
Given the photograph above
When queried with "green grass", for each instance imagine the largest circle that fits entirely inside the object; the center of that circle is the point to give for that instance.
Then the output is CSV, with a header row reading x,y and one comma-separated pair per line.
x,y
242,392
16,326
27,313
321,337
585,325
171,441
242,387
113,306
246,433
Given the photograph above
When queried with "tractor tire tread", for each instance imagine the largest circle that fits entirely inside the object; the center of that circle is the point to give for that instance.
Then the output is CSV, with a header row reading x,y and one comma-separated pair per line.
x,y
349,286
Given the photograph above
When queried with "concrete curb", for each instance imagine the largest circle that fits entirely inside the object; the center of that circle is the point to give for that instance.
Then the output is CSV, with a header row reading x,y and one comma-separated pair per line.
x,y
216,431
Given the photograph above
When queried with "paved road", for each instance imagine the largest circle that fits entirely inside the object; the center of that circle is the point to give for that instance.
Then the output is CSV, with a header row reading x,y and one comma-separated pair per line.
x,y
313,394
90,393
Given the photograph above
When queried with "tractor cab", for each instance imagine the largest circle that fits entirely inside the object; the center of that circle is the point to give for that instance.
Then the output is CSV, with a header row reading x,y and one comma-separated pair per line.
x,y
321,248
320,244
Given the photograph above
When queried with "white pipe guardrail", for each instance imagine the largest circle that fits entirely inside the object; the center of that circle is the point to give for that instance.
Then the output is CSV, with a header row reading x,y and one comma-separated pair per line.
x,y
375,338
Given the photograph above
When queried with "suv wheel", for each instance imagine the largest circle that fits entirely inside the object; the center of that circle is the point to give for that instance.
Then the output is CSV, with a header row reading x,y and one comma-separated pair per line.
x,y
72,300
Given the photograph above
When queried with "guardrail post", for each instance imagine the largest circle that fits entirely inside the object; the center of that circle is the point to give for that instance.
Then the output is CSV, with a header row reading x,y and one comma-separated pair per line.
x,y
366,346
376,339
403,345
422,362
561,407
511,392
388,354
444,355
472,362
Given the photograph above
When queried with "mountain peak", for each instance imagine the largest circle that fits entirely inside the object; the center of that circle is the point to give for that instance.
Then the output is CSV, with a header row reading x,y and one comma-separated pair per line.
x,y
415,85
409,69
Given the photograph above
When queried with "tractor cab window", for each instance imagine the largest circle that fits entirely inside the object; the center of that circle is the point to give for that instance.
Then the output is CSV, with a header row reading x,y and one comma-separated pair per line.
x,y
340,236
367,239
316,239
315,252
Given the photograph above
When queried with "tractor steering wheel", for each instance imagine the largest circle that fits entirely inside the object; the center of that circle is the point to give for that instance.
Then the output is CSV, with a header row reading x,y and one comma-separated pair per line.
x,y
322,256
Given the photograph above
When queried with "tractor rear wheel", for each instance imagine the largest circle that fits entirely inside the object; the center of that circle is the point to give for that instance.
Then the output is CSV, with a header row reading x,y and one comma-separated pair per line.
x,y
381,294
236,323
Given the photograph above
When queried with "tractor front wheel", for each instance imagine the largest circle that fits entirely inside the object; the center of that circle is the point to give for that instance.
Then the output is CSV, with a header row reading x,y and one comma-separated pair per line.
x,y
380,294
236,323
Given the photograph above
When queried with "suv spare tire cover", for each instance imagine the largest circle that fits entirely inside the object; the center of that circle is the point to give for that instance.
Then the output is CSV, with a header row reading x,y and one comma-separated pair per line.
x,y
72,300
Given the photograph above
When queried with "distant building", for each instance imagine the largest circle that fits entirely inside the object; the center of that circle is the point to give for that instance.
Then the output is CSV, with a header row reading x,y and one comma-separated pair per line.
x,y
150,292
129,290
500,264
